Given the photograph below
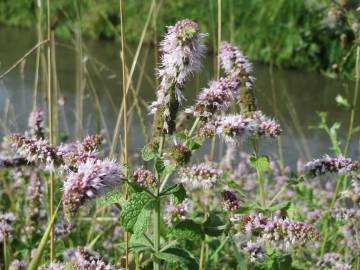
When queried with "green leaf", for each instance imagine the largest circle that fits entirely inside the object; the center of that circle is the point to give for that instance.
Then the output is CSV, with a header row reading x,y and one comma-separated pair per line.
x,y
296,181
181,136
276,260
178,255
238,256
35,261
134,187
147,153
343,102
133,208
159,165
193,144
187,230
139,244
213,225
111,197
179,195
142,222
177,191
247,208
169,169
280,206
260,163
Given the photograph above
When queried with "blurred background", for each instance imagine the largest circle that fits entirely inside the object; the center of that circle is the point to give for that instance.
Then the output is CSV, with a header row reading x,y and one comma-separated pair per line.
x,y
303,51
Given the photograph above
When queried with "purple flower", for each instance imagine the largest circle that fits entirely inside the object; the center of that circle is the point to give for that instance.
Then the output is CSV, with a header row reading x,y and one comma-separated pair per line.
x,y
18,265
144,177
216,98
233,60
281,233
236,64
177,212
82,259
333,261
266,127
328,164
35,196
178,154
256,250
230,200
63,229
201,175
235,128
36,124
90,143
6,226
35,150
182,50
93,179
53,266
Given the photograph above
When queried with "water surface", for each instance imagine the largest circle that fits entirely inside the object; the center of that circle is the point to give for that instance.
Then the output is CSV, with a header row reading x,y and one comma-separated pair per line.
x,y
298,95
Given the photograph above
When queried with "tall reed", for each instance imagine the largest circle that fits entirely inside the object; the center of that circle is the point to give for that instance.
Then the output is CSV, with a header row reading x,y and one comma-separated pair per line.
x,y
124,155
51,127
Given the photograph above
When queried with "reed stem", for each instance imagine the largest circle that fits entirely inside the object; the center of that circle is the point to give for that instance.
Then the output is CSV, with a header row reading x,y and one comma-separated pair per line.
x,y
51,128
125,127
353,108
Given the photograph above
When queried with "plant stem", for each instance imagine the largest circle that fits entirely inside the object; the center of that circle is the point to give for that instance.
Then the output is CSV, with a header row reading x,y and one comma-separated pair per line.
x,y
157,210
197,120
283,188
259,174
353,108
51,128
124,92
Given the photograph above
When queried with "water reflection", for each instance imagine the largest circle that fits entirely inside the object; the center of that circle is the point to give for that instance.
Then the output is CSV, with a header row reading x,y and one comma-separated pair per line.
x,y
298,94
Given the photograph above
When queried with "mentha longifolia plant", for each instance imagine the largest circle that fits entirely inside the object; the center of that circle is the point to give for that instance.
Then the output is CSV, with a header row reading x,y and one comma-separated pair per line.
x,y
243,212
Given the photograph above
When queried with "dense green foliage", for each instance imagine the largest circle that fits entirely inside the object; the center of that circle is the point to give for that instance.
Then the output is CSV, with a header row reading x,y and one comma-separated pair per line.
x,y
311,34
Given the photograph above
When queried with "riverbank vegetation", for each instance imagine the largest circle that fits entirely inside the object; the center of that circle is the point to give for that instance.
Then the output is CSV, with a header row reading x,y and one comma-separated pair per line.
x,y
307,34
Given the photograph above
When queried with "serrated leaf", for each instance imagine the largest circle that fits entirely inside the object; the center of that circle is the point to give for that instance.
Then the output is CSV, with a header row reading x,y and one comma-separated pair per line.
x,y
142,222
193,144
295,181
177,191
134,187
247,208
169,169
179,194
139,243
133,208
147,153
187,230
213,225
159,165
181,136
111,197
280,206
343,102
178,255
261,163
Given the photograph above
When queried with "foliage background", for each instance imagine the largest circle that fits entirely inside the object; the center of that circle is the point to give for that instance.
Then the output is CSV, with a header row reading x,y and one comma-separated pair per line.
x,y
290,33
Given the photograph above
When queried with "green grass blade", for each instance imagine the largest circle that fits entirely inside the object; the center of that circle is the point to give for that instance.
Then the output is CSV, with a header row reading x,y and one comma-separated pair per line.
x,y
34,264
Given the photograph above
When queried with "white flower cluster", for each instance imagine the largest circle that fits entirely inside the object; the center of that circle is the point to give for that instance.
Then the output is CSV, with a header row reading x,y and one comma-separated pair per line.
x,y
201,175
6,226
328,164
281,233
92,179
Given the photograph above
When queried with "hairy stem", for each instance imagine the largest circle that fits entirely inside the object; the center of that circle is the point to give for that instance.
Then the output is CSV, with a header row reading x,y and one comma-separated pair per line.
x,y
157,210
